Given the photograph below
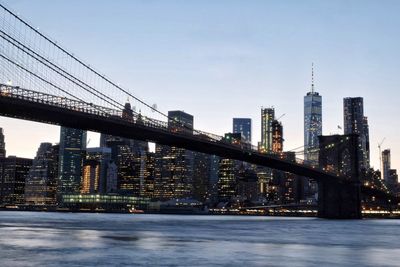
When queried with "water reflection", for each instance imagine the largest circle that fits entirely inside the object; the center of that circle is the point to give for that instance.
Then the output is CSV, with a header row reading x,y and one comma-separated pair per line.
x,y
66,239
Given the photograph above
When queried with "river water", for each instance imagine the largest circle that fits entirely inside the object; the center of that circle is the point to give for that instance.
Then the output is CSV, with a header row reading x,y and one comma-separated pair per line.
x,y
78,239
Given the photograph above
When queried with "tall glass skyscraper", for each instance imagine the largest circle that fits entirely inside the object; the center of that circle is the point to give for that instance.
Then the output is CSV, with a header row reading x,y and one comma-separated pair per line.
x,y
267,117
243,126
72,153
312,124
356,123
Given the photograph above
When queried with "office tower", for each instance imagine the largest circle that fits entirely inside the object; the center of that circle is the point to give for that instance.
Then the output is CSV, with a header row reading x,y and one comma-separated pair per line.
x,y
312,123
386,165
90,177
366,134
149,175
72,154
94,179
201,174
228,171
267,117
112,177
289,187
2,144
13,173
277,136
41,183
356,123
243,126
174,166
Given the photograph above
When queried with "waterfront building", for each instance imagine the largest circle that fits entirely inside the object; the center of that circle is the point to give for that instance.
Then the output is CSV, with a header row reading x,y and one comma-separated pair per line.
x,y
174,166
41,183
13,173
72,154
2,144
267,117
312,123
356,123
243,126
104,202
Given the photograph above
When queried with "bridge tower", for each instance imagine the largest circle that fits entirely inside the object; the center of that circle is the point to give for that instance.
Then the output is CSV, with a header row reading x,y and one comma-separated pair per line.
x,y
339,199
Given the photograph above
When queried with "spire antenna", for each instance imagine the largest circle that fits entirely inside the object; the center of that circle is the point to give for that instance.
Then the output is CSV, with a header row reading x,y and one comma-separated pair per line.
x,y
312,77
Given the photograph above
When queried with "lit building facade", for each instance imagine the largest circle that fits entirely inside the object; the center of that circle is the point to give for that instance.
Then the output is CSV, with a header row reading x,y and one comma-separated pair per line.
x,y
277,137
228,171
41,183
243,126
2,144
95,167
174,166
72,154
13,173
91,177
356,123
267,117
312,124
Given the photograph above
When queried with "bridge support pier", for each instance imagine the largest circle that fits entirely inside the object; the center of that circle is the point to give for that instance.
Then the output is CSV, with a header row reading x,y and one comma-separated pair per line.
x,y
339,201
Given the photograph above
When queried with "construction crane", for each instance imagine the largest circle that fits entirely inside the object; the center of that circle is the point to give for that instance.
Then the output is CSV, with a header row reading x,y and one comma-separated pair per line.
x,y
380,155
280,117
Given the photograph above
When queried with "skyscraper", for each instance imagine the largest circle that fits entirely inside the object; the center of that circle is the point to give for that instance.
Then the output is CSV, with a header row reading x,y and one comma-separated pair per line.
x,y
366,134
312,123
356,123
277,137
2,144
95,166
386,165
243,126
72,153
41,183
174,166
13,173
267,117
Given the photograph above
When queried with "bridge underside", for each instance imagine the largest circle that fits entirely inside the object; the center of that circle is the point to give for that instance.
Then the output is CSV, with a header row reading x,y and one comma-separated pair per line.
x,y
41,112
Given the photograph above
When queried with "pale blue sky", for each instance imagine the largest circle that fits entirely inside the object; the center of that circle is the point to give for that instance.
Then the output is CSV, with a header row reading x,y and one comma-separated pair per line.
x,y
222,59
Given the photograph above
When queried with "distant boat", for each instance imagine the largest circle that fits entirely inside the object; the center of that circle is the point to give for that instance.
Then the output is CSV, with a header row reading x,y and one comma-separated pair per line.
x,y
135,211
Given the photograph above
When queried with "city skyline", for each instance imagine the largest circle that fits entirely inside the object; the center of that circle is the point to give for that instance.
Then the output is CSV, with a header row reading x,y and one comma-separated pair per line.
x,y
270,88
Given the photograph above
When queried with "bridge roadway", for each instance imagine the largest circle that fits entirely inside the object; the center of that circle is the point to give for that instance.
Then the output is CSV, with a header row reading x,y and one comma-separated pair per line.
x,y
30,105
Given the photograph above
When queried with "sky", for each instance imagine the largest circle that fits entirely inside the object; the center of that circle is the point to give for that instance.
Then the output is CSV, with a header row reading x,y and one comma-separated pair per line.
x,y
222,59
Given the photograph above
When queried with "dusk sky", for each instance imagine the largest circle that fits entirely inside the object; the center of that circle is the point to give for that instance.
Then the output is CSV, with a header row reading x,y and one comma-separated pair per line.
x,y
222,59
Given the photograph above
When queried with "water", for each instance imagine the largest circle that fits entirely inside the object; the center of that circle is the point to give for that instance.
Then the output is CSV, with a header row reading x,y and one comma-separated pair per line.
x,y
77,239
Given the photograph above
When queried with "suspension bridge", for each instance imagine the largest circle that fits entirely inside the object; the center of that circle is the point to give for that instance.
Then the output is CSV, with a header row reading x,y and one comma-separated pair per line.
x,y
43,82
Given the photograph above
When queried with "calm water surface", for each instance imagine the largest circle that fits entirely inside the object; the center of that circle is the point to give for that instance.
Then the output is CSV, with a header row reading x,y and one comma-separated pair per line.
x,y
77,239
